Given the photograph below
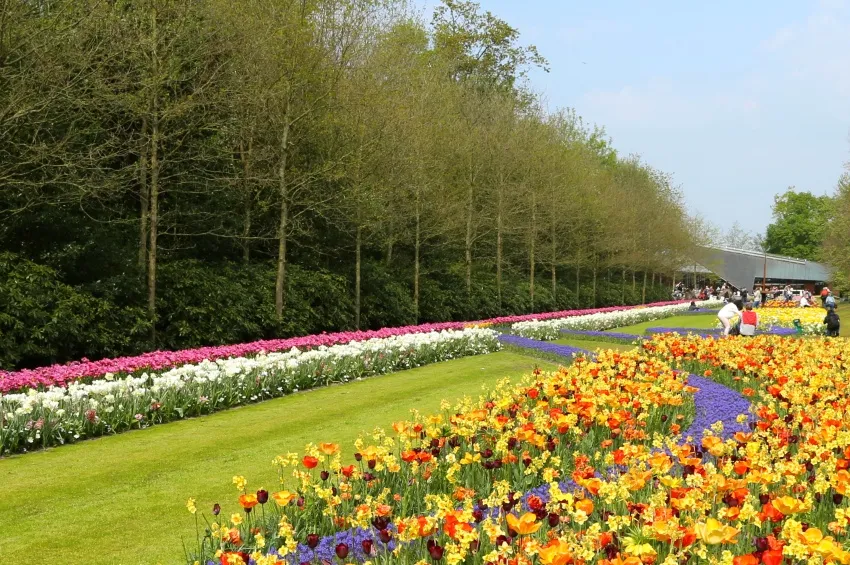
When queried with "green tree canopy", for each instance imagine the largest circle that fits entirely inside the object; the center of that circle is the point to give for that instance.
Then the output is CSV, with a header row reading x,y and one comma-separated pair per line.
x,y
799,226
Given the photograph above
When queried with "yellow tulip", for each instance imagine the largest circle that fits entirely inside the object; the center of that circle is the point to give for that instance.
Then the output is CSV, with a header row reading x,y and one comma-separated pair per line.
x,y
789,505
713,532
283,497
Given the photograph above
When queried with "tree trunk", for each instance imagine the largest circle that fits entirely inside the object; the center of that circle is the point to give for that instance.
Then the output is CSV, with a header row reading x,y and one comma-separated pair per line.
x,y
468,244
643,293
249,200
145,197
389,251
154,188
283,223
357,245
499,246
578,285
623,300
594,283
533,239
416,253
154,220
634,280
554,267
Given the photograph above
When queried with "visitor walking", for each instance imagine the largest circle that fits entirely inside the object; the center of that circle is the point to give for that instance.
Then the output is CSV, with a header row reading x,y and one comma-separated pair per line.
x,y
824,293
757,298
829,301
725,316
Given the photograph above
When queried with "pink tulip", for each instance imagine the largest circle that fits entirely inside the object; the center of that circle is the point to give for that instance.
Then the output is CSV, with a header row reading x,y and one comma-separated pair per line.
x,y
61,375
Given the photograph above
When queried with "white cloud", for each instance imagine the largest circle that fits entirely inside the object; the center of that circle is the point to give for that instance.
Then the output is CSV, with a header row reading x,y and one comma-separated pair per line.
x,y
815,52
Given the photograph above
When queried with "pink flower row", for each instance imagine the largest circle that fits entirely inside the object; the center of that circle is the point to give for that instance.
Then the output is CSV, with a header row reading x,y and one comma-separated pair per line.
x,y
60,375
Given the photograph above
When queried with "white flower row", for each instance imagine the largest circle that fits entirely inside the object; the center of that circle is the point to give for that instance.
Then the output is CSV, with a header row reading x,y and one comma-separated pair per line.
x,y
105,406
551,329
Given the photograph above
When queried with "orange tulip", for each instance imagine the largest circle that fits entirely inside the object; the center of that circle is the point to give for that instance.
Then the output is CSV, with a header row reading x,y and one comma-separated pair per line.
x,y
748,559
248,501
524,525
585,506
329,448
556,552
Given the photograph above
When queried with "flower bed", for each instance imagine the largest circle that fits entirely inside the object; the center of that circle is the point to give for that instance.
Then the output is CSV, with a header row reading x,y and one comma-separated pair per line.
x,y
717,332
450,487
107,406
550,329
781,304
811,319
61,375
586,465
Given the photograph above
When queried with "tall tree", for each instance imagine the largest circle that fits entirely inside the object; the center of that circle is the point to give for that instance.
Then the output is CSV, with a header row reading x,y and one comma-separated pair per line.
x,y
799,224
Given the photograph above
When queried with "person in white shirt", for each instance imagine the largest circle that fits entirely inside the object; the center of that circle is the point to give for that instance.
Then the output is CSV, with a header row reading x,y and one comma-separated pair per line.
x,y
804,302
725,316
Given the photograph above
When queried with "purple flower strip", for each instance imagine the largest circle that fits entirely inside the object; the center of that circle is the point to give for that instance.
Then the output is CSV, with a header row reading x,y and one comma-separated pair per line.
x,y
715,402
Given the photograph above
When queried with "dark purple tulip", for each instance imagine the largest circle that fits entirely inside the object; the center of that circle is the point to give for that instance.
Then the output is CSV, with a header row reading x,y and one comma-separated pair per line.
x,y
837,498
487,453
366,544
262,496
435,551
216,509
371,463
358,457
324,475
341,550
761,544
380,523
312,540
385,536
503,540
764,498
554,520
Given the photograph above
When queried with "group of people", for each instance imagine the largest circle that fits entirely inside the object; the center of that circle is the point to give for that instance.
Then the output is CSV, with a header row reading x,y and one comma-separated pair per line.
x,y
748,322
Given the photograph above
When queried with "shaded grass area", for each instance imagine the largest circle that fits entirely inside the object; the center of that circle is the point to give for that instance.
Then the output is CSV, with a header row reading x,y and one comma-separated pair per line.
x,y
700,321
121,499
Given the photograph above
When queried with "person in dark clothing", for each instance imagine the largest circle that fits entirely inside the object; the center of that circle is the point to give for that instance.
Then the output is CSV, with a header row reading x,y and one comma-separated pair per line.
x,y
833,323
693,306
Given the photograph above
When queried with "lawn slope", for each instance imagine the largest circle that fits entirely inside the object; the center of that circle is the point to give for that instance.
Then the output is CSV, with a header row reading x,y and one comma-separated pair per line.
x,y
121,499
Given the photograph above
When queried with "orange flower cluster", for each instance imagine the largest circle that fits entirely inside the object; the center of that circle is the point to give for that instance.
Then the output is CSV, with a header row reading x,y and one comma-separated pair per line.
x,y
582,466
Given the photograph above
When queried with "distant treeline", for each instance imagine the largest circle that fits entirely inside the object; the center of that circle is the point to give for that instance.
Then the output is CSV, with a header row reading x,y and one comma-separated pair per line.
x,y
175,174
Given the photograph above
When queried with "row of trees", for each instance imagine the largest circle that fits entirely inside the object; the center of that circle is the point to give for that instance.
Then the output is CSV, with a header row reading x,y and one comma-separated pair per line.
x,y
212,171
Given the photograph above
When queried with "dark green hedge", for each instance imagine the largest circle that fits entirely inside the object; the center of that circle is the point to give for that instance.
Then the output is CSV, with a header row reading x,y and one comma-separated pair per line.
x,y
44,320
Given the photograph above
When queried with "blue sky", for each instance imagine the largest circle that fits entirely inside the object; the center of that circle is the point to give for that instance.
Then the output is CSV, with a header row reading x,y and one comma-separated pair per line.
x,y
738,100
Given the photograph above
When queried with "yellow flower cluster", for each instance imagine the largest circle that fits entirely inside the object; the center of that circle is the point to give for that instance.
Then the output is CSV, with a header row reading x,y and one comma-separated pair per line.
x,y
587,465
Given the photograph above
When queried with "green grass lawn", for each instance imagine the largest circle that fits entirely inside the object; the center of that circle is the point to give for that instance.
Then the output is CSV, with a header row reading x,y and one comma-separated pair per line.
x,y
121,499
701,321
844,313
594,345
